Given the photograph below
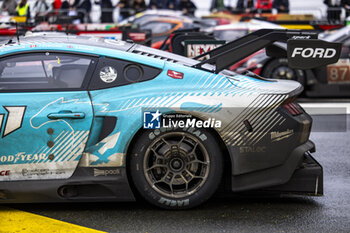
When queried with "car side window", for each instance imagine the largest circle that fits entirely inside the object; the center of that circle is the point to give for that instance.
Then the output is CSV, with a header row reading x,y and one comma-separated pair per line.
x,y
45,70
111,72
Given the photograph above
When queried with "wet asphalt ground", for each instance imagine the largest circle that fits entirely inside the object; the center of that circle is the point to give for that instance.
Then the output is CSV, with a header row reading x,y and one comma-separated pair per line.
x,y
330,213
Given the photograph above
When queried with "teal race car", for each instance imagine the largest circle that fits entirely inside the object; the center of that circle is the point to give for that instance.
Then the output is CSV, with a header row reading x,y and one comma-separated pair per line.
x,y
92,119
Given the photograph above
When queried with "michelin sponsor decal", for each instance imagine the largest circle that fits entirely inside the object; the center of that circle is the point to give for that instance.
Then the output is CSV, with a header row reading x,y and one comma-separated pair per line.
x,y
156,120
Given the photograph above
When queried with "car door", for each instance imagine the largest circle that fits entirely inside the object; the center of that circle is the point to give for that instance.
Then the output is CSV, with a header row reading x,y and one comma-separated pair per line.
x,y
45,114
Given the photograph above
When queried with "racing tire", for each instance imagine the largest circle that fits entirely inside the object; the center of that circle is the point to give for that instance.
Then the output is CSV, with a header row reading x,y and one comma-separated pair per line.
x,y
279,69
176,169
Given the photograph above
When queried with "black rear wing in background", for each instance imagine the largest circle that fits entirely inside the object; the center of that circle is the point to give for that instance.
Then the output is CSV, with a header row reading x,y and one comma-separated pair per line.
x,y
304,50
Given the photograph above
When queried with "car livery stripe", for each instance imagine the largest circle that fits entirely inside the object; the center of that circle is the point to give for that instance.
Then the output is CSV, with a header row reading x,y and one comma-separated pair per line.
x,y
63,144
240,117
78,149
262,129
44,148
261,114
76,145
58,144
267,130
266,118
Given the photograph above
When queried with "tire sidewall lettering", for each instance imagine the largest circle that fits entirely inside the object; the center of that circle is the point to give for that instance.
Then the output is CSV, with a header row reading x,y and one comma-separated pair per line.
x,y
145,139
195,132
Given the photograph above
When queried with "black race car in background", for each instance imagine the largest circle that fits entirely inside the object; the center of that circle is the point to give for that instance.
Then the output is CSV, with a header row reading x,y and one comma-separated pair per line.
x,y
326,81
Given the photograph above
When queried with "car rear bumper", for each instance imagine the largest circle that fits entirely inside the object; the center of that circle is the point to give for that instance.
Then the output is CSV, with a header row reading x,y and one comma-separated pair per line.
x,y
306,180
278,175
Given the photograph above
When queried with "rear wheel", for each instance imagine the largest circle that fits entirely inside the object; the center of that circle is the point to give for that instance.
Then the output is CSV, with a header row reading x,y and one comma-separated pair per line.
x,y
178,169
279,69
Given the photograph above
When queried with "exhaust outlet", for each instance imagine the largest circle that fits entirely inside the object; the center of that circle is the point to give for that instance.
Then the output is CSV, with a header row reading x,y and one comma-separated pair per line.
x,y
68,191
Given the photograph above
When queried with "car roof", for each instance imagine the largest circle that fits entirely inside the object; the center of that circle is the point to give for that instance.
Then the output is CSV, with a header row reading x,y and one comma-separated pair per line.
x,y
151,13
338,35
54,39
166,19
69,39
251,25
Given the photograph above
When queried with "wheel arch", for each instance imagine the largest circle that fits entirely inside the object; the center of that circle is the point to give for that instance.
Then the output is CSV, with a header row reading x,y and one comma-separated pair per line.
x,y
227,173
301,75
266,63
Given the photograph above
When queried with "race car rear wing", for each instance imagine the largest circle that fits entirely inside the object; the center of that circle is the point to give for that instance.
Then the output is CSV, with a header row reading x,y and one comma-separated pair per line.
x,y
304,50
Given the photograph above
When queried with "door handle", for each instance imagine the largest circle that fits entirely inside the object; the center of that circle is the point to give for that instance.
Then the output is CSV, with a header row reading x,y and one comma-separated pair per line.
x,y
66,114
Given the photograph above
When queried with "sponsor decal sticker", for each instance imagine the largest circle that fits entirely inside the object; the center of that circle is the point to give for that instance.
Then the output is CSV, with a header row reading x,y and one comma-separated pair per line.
x,y
252,149
314,52
137,36
101,172
41,172
309,54
108,74
195,48
5,173
175,75
301,37
278,136
21,157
